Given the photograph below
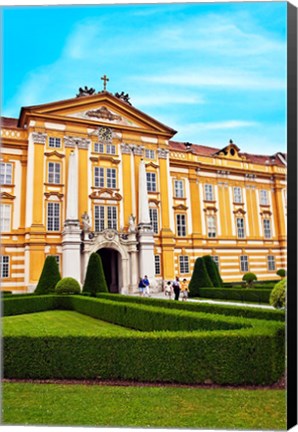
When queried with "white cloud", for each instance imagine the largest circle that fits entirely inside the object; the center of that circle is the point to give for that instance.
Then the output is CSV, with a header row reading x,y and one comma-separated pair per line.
x,y
166,99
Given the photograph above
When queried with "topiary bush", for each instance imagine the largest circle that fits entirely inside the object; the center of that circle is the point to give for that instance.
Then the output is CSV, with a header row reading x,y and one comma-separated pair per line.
x,y
49,276
212,270
281,273
278,295
200,278
249,278
68,285
95,280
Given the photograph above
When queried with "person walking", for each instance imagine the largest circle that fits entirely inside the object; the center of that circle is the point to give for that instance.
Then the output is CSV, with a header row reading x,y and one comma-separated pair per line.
x,y
184,289
176,287
169,290
147,286
141,287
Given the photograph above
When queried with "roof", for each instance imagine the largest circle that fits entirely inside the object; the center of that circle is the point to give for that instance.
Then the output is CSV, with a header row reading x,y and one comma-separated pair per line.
x,y
8,122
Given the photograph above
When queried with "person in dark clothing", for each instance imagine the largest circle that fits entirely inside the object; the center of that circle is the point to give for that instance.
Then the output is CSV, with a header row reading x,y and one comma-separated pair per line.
x,y
176,288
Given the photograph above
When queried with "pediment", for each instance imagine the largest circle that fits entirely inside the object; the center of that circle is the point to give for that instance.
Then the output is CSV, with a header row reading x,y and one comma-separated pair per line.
x,y
101,109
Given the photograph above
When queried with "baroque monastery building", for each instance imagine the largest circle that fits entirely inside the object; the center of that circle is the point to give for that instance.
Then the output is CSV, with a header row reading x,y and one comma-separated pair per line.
x,y
95,174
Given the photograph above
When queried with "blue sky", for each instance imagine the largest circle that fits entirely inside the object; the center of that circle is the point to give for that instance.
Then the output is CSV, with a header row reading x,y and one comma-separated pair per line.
x,y
211,71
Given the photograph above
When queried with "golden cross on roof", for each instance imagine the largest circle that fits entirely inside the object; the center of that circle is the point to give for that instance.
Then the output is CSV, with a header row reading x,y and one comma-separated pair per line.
x,y
105,79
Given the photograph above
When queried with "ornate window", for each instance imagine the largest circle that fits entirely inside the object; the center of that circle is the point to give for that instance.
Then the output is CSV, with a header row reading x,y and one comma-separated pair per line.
x,y
209,193
5,217
237,195
183,264
181,225
98,177
240,227
267,228
4,266
153,212
178,189
211,226
244,263
149,154
98,147
151,182
54,172
53,216
271,262
111,149
111,178
157,264
5,173
54,142
264,199
105,217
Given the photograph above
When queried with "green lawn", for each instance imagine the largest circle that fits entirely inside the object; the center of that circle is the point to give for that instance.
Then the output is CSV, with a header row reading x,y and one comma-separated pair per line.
x,y
59,323
161,407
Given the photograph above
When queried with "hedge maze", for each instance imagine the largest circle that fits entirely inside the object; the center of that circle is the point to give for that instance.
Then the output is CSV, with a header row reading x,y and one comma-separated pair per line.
x,y
174,342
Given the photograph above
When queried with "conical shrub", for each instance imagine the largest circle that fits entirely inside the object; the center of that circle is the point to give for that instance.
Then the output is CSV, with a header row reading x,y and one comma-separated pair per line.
x,y
200,278
49,276
95,280
212,271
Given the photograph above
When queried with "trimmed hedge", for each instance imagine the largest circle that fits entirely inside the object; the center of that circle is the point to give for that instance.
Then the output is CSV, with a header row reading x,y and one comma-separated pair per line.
x,y
95,280
212,270
68,285
199,278
49,277
252,355
221,309
246,294
27,304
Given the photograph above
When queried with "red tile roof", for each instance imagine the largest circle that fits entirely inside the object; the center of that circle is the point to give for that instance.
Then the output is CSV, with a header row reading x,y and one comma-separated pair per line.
x,y
8,122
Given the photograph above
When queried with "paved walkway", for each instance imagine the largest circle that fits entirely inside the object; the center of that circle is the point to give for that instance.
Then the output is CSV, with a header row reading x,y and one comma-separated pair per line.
x,y
161,295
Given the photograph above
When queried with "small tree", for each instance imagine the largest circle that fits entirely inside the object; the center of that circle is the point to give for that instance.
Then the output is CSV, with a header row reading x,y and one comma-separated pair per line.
x,y
281,273
68,285
200,278
212,270
277,297
249,278
49,276
95,280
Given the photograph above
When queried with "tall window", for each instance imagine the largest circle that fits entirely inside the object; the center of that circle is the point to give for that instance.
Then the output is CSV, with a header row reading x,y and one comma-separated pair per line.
x,y
150,154
5,173
154,219
98,147
244,263
4,266
264,199
54,172
271,262
267,228
181,225
111,149
209,194
105,217
240,228
151,182
237,195
178,187
211,226
183,264
98,177
5,217
53,222
157,264
111,178
54,142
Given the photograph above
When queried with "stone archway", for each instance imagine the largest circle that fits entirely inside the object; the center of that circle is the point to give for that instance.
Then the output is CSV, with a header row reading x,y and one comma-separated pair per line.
x,y
111,261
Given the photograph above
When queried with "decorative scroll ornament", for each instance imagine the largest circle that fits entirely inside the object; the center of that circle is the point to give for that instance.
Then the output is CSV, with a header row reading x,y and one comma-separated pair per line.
x,y
39,138
71,142
85,91
109,234
125,148
137,150
103,113
162,153
123,96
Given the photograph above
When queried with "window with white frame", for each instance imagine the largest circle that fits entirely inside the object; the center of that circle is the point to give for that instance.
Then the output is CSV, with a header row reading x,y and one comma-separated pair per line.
x,y
105,217
98,177
150,154
267,228
181,225
216,260
209,193
98,147
53,216
178,188
154,219
183,264
4,266
111,178
110,149
264,199
5,173
211,226
54,172
271,262
240,228
5,217
54,142
151,182
157,264
237,195
244,263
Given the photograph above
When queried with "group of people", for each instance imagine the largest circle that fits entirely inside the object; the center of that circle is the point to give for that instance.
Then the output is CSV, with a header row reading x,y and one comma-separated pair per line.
x,y
176,287
171,287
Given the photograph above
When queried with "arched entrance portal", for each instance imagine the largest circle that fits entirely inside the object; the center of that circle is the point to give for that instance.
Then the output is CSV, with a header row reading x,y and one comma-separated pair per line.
x,y
111,263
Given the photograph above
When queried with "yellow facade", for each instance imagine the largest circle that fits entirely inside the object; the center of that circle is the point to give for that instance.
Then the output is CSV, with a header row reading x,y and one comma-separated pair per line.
x,y
221,202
